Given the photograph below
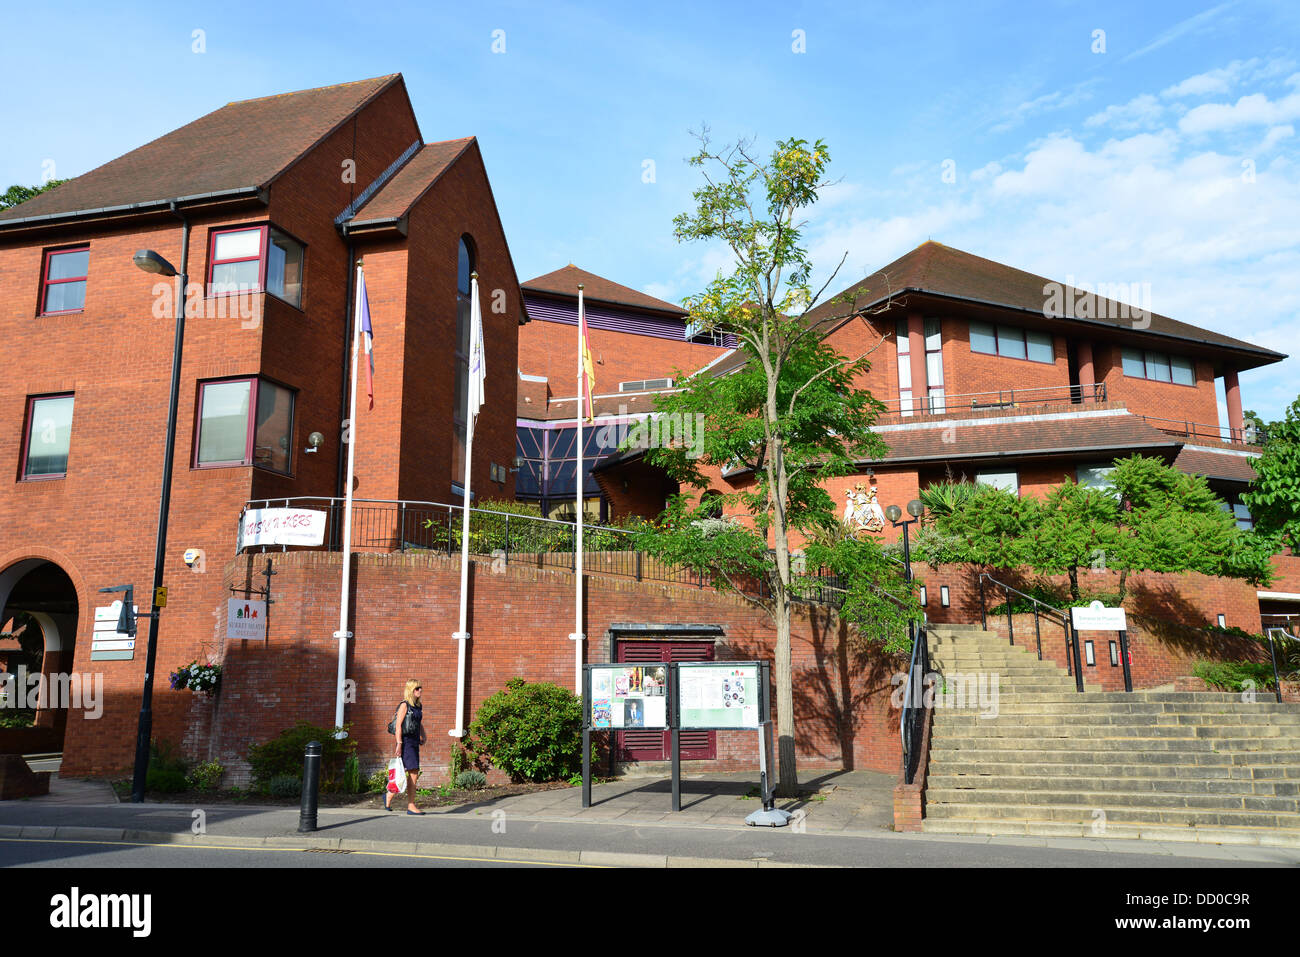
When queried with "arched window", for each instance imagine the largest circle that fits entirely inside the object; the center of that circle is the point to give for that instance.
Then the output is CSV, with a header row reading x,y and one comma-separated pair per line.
x,y
464,266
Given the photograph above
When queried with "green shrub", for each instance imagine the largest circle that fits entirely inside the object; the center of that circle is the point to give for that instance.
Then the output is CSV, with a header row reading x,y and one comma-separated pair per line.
x,y
532,732
285,785
459,760
351,775
20,719
206,777
165,780
283,755
1231,675
377,781
469,780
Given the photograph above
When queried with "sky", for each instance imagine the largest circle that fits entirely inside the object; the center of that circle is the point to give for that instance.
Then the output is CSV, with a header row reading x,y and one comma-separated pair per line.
x,y
1151,144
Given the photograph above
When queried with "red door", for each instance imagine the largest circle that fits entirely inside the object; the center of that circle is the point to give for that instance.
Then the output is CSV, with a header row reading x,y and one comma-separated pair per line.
x,y
657,745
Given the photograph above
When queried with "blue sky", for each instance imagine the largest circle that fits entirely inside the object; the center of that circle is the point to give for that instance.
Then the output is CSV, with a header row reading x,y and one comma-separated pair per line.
x,y
1170,159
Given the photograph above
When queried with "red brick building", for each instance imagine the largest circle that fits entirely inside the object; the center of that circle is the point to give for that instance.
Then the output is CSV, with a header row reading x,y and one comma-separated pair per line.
x,y
1008,378
267,203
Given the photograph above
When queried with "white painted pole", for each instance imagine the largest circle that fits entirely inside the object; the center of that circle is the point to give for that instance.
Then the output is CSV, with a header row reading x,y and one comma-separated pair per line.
x,y
578,637
462,635
343,634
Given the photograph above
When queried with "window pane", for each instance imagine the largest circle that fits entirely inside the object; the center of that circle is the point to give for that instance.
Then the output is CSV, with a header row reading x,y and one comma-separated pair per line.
x,y
981,338
1040,346
49,436
937,404
900,337
1011,342
905,374
1003,480
244,244
462,326
1133,364
905,401
271,448
933,338
934,369
284,268
1094,476
65,296
1184,371
464,266
69,265
234,277
223,429
1157,366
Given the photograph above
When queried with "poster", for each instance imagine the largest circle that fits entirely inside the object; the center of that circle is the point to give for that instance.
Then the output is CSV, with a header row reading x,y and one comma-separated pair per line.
x,y
629,696
721,695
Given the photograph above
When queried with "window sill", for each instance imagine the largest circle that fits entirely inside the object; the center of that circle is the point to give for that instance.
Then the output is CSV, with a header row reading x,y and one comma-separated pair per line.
x,y
1142,378
998,355
27,479
62,312
211,466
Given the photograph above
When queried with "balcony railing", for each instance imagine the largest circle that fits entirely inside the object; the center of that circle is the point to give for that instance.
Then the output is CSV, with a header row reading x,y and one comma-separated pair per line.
x,y
1000,399
435,527
1251,435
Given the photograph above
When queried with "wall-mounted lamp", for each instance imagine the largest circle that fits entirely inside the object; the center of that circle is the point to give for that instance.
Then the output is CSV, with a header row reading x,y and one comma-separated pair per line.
x,y
1223,622
314,442
943,595
924,596
1089,654
1114,655
519,463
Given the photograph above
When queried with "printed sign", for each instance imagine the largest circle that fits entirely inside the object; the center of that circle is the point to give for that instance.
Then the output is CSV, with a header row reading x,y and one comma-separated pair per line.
x,y
106,642
719,695
281,526
1097,617
246,619
629,696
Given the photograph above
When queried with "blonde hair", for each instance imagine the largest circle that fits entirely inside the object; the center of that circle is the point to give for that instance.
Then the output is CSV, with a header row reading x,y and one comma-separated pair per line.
x,y
408,695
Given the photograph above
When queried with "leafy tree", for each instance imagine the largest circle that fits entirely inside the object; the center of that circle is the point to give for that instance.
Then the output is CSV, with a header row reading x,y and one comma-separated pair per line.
x,y
791,416
1274,496
987,526
1074,526
21,194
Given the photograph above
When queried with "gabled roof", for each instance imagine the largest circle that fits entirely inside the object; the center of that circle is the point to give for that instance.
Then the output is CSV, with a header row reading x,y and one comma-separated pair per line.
x,y
239,148
943,271
564,282
395,199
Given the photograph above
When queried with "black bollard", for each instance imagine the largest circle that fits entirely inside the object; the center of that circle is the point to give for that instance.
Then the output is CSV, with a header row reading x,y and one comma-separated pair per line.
x,y
310,787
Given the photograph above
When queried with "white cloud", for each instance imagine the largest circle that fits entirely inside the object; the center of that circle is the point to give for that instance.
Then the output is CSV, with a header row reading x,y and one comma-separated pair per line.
x,y
1144,110
1256,109
1192,24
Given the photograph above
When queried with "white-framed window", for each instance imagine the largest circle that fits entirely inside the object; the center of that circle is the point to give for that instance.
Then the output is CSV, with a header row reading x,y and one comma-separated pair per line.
x,y
1011,342
904,367
1157,366
1007,481
1096,475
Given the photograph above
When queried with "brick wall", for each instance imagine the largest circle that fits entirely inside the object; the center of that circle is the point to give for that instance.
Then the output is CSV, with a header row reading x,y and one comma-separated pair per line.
x,y
405,614
1164,400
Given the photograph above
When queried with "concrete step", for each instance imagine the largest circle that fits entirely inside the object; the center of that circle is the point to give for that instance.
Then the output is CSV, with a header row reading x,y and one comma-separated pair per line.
x,y
939,785
1085,813
1263,763
1110,830
1075,770
1087,704
1110,800
968,714
952,724
1164,697
1106,746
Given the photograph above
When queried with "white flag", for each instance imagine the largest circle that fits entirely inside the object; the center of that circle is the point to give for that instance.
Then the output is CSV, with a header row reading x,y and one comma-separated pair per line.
x,y
477,368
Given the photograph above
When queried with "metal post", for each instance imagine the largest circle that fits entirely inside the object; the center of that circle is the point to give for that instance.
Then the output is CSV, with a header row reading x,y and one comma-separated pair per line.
x,y
1038,634
401,527
1069,665
1011,631
1123,651
310,787
507,538
144,729
1078,666
675,734
984,623
586,737
1272,654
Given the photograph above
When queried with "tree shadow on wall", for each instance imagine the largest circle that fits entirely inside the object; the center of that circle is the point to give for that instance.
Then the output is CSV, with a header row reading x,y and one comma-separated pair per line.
x,y
1164,614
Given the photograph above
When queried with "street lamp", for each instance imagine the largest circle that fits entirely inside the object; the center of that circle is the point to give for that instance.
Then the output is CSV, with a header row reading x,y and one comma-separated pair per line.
x,y
915,508
152,262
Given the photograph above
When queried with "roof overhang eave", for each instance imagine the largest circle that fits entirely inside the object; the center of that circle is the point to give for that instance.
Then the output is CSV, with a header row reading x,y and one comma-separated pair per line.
x,y
128,209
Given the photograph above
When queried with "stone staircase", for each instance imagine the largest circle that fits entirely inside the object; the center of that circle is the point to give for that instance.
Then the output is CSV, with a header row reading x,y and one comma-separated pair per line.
x,y
1202,767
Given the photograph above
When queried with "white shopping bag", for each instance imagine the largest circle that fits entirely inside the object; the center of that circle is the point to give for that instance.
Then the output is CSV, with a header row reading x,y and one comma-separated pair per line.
x,y
396,776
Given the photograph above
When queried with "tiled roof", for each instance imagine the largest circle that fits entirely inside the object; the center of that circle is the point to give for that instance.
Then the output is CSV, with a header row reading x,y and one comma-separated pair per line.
x,y
638,403
1093,433
242,145
941,270
564,282
1215,465
400,193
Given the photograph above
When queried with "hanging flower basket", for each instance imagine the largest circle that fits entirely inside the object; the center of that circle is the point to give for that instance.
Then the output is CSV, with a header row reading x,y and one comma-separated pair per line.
x,y
201,679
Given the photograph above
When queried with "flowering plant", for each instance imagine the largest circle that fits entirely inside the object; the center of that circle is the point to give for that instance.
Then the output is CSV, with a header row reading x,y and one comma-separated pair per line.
x,y
201,679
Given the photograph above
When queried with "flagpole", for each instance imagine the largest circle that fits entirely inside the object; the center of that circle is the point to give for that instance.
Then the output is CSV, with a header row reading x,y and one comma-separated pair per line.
x,y
343,634
578,637
461,637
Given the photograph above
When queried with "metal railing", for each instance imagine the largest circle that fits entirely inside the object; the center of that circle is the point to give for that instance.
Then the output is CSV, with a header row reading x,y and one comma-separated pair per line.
x,y
1072,665
999,399
1250,435
912,721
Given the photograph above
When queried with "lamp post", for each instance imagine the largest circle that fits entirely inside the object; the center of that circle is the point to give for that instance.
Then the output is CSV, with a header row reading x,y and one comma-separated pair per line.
x,y
151,262
915,508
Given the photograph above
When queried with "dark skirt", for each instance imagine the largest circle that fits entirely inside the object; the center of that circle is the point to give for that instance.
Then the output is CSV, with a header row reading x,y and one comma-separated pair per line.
x,y
411,753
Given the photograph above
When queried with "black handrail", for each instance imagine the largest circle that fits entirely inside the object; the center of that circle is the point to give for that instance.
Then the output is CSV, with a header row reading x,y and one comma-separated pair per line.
x,y
912,721
1070,647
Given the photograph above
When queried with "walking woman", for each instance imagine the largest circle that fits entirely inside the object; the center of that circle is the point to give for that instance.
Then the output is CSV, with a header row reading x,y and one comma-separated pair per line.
x,y
409,736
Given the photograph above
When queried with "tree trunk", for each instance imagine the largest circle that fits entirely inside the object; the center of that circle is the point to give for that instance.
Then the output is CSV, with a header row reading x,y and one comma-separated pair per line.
x,y
788,778
1123,584
1073,572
